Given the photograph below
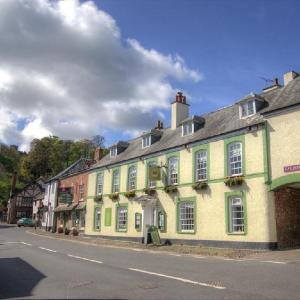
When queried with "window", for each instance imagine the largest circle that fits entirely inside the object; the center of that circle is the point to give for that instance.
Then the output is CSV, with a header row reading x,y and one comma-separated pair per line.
x,y
187,128
113,151
121,218
81,191
235,159
151,183
52,188
81,218
99,184
161,220
146,141
27,201
248,109
186,216
201,165
173,171
138,221
116,181
132,178
97,220
236,215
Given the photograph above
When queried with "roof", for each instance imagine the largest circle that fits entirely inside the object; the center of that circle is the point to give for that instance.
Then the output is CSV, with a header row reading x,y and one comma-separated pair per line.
x,y
78,166
217,123
196,119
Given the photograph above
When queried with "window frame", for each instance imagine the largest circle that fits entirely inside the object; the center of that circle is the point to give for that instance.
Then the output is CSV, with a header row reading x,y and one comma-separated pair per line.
x,y
129,168
246,106
81,192
168,158
228,197
136,226
112,180
148,139
195,150
97,184
113,151
163,228
182,201
118,207
147,181
191,128
227,142
96,207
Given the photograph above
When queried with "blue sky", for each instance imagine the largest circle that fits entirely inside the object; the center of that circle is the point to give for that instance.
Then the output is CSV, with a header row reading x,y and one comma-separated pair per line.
x,y
112,67
233,43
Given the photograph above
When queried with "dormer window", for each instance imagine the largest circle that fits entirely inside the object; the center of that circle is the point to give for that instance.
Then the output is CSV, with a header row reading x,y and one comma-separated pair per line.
x,y
146,141
187,128
113,151
248,109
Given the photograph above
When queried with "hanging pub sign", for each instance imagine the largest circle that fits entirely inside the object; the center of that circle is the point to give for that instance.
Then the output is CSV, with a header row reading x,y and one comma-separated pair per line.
x,y
65,195
293,168
154,173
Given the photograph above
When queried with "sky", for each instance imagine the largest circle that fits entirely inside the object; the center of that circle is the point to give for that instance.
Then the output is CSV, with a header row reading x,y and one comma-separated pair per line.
x,y
75,69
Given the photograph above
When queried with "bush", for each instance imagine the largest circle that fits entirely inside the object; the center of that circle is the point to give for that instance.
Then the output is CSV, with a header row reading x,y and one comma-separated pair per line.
x,y
60,230
130,194
67,231
75,232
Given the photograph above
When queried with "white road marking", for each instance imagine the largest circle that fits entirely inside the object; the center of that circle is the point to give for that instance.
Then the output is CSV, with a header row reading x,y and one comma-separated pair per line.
x,y
180,279
83,258
26,244
274,262
50,250
174,254
138,250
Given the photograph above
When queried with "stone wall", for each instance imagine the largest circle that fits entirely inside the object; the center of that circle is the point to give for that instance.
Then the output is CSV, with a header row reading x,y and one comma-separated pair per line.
x,y
287,207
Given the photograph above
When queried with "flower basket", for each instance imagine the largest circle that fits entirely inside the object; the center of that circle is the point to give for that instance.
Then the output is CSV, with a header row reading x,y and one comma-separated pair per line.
x,y
170,189
114,196
202,185
67,231
149,191
233,181
98,198
130,194
60,230
75,232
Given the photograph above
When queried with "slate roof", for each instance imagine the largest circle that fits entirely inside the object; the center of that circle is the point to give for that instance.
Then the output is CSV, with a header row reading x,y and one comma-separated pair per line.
x,y
222,121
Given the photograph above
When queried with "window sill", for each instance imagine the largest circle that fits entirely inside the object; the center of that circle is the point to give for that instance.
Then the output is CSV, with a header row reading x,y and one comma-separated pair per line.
x,y
236,233
187,231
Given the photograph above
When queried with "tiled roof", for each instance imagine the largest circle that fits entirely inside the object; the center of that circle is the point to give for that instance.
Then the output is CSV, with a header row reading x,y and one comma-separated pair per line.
x,y
219,122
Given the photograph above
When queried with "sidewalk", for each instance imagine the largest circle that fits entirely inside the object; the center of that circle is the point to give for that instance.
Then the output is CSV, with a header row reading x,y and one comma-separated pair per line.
x,y
176,249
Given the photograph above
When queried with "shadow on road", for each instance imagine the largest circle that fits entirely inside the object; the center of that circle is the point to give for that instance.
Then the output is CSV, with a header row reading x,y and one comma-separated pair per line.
x,y
5,226
17,277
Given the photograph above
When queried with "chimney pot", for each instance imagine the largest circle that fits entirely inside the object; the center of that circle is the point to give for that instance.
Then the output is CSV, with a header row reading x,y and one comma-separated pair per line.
x,y
180,110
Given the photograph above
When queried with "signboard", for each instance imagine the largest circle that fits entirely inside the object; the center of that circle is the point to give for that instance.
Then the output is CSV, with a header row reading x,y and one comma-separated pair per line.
x,y
154,173
65,195
293,168
154,235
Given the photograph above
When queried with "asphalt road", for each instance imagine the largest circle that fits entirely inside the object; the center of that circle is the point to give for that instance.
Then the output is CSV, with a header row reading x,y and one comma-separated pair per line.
x,y
38,267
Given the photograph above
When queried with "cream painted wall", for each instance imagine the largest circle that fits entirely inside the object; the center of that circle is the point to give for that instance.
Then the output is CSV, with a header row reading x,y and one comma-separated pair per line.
x,y
284,142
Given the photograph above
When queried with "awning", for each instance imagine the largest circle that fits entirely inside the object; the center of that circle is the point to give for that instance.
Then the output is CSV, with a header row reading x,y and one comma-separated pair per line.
x,y
146,199
81,205
65,207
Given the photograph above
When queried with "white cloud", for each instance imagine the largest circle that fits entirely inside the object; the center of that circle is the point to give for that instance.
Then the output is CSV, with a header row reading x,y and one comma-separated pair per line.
x,y
67,70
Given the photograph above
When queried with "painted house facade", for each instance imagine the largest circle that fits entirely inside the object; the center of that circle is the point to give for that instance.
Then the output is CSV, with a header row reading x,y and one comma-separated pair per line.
x,y
228,178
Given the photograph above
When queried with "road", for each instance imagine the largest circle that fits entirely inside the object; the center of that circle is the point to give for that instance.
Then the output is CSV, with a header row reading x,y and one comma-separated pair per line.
x,y
38,267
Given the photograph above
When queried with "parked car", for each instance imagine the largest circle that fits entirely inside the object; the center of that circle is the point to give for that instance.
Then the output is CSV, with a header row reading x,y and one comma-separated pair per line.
x,y
26,222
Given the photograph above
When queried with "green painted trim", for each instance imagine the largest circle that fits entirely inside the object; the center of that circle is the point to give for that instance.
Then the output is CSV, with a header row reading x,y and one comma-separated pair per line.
x,y
241,194
284,180
162,211
168,156
98,174
147,162
94,221
266,153
118,205
107,216
127,179
112,178
241,139
186,200
139,229
194,151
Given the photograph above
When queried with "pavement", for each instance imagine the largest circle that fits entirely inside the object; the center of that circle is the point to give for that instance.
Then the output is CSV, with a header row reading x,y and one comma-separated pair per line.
x,y
37,267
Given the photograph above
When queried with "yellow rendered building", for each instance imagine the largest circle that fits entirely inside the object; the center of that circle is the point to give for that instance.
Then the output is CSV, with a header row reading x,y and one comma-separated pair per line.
x,y
229,178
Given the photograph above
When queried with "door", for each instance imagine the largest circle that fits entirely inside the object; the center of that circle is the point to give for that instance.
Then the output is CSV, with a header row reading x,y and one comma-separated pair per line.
x,y
149,219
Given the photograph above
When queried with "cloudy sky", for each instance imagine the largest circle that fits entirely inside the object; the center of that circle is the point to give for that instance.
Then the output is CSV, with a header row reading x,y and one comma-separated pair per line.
x,y
79,68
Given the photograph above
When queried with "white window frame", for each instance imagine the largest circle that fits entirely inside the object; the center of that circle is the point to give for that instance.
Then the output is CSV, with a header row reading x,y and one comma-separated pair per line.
x,y
99,191
173,170
97,216
187,128
116,181
151,183
236,222
234,159
146,141
201,165
132,172
113,151
186,217
122,218
244,109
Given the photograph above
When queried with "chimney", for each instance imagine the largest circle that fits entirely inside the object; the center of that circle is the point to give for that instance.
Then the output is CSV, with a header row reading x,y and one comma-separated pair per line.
x,y
98,154
160,125
13,183
289,76
180,110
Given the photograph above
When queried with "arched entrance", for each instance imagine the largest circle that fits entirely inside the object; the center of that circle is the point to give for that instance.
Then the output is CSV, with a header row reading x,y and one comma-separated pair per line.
x,y
287,210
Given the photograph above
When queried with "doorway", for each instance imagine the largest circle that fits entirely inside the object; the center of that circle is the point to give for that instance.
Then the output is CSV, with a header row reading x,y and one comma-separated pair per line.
x,y
149,219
